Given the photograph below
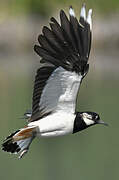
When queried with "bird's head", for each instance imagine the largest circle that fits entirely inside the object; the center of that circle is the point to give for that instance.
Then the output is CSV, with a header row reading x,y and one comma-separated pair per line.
x,y
84,120
91,118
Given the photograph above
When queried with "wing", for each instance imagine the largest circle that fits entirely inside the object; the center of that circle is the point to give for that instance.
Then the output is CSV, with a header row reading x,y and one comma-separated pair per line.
x,y
66,48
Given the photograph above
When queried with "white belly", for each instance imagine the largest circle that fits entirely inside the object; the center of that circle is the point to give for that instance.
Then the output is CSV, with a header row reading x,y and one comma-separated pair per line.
x,y
57,124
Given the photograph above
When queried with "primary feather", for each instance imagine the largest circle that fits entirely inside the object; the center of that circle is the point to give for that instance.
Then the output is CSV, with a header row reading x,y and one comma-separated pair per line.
x,y
66,47
64,50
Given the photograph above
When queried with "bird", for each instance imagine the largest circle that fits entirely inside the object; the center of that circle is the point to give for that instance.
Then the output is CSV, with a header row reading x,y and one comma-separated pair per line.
x,y
64,49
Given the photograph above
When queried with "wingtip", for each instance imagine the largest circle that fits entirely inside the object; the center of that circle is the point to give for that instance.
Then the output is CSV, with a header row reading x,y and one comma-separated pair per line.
x,y
84,5
83,11
71,11
90,11
89,18
89,15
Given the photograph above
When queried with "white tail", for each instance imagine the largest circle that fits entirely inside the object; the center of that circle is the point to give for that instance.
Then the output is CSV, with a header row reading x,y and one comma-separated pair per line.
x,y
19,141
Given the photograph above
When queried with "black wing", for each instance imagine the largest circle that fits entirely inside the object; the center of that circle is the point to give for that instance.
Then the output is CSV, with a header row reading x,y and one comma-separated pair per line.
x,y
65,45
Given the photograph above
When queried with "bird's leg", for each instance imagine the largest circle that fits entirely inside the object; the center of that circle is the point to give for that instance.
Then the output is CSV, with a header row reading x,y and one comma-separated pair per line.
x,y
23,153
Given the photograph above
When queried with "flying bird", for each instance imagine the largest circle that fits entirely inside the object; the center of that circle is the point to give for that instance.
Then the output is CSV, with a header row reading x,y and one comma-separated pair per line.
x,y
64,49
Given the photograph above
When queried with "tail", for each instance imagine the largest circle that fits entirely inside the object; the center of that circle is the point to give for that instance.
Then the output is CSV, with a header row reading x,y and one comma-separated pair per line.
x,y
19,141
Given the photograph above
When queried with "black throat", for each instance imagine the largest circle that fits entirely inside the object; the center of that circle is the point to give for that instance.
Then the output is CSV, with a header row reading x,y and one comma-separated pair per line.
x,y
79,124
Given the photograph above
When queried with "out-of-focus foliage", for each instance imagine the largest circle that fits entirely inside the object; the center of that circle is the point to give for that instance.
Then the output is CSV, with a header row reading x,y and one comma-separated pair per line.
x,y
45,7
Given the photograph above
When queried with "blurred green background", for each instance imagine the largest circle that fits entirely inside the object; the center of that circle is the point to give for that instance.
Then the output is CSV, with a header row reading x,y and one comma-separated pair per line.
x,y
91,154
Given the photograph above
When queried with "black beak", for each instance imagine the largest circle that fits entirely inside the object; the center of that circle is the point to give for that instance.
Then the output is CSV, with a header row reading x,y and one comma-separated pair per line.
x,y
102,122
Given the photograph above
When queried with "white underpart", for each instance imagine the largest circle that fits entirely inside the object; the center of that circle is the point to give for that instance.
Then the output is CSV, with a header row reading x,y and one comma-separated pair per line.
x,y
83,12
71,12
56,124
89,18
60,91
59,96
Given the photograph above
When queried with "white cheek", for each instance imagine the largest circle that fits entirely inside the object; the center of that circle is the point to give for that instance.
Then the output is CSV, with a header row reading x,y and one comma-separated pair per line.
x,y
88,121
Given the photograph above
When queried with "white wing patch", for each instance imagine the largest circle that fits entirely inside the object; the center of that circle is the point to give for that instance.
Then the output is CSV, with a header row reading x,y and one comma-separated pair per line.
x,y
60,91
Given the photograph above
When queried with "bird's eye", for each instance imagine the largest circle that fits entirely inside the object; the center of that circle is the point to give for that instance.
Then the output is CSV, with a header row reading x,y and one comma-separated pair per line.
x,y
97,117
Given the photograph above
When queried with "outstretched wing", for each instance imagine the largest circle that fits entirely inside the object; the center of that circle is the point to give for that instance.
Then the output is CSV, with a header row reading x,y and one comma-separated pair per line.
x,y
65,48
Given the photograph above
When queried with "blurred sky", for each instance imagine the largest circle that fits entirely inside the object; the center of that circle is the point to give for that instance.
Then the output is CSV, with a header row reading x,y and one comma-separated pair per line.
x,y
92,154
